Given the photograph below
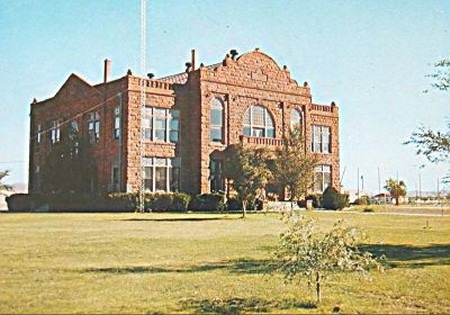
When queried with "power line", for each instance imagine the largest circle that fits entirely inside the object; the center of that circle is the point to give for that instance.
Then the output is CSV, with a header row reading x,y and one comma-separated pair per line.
x,y
68,120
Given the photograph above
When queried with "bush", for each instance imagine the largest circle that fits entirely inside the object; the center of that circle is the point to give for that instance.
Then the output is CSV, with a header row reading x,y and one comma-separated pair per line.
x,y
362,201
122,201
207,202
234,203
333,200
180,202
20,202
315,200
174,202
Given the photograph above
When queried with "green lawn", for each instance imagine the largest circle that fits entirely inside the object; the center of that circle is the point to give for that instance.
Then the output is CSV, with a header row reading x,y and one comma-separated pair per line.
x,y
192,263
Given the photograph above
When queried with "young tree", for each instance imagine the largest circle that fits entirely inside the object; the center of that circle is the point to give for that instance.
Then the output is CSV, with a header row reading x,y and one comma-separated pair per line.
x,y
293,167
247,168
397,189
435,145
3,186
441,75
304,252
69,166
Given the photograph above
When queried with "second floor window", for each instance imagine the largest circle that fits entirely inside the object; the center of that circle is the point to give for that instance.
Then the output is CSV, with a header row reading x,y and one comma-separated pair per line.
x,y
296,119
117,123
258,122
162,124
55,131
94,127
320,139
38,133
216,123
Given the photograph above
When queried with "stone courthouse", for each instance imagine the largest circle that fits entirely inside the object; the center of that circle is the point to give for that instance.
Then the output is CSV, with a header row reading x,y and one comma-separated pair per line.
x,y
188,121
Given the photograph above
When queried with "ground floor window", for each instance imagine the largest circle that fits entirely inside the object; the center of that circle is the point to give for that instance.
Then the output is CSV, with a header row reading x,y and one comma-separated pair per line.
x,y
322,177
162,174
115,178
216,180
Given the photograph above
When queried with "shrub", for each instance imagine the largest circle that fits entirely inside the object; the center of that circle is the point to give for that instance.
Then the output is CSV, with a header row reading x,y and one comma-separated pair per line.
x,y
122,201
207,202
19,202
315,200
234,203
158,202
180,202
333,200
362,201
162,202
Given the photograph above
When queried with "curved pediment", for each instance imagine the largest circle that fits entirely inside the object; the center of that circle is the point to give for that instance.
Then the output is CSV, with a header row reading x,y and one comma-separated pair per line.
x,y
258,60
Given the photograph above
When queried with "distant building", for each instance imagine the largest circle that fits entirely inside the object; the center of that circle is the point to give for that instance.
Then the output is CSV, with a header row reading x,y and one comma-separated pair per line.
x,y
189,119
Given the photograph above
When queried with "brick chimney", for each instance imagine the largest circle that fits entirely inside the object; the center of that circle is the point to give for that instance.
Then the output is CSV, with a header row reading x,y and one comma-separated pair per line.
x,y
193,60
107,70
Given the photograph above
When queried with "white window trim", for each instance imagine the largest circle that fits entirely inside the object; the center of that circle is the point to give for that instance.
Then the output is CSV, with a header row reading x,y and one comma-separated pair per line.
x,y
266,127
167,163
168,116
323,135
323,169
217,104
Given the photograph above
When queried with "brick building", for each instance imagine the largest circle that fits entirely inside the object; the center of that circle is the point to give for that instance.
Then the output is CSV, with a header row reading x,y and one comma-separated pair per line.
x,y
189,119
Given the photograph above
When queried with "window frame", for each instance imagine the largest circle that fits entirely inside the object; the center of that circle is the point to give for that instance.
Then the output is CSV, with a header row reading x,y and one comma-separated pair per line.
x,y
55,131
170,168
216,106
252,129
117,131
93,129
321,139
293,122
322,173
38,133
169,117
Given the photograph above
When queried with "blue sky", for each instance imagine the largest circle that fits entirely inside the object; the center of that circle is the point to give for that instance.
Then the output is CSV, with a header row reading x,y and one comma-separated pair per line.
x,y
370,57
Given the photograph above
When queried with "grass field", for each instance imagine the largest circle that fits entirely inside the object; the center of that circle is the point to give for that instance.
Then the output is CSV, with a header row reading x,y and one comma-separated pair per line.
x,y
194,263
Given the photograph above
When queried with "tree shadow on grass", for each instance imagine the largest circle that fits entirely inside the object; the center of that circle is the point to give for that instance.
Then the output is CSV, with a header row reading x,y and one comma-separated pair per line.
x,y
247,266
237,305
408,256
184,219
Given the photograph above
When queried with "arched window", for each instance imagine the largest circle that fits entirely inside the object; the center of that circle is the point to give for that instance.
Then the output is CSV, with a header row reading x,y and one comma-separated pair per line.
x,y
216,123
296,119
258,122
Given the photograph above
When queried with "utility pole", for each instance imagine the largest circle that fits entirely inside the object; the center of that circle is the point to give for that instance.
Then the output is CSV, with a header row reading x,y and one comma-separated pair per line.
x,y
357,177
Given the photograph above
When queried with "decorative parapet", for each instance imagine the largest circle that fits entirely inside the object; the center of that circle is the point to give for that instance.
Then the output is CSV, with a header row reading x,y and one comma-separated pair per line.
x,y
137,82
261,141
325,108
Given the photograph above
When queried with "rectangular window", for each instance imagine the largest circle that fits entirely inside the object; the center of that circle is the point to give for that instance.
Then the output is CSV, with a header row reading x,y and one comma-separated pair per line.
x,y
320,139
322,177
94,127
216,125
117,123
38,133
216,180
174,130
162,174
55,131
161,124
115,178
